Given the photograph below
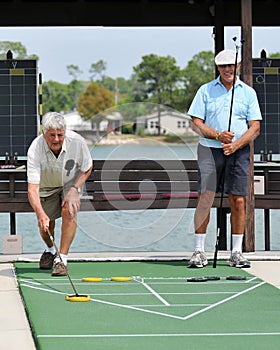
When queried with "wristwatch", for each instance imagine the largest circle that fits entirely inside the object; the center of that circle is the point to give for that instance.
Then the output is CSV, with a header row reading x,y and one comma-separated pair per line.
x,y
217,135
79,190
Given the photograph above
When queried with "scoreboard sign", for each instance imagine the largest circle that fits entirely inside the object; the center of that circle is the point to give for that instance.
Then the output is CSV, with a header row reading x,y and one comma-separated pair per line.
x,y
266,82
18,106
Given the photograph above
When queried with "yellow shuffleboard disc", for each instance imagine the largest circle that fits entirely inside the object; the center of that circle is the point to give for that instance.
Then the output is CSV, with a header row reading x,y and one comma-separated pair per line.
x,y
77,298
92,279
121,279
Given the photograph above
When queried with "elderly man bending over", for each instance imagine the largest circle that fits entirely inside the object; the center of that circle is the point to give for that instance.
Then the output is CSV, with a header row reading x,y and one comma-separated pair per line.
x,y
58,164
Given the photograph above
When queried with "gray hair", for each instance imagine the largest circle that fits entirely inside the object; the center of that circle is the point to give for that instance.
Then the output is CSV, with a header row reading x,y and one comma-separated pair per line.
x,y
53,120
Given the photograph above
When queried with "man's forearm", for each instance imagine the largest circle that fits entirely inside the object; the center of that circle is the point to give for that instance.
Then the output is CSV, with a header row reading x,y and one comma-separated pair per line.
x,y
34,200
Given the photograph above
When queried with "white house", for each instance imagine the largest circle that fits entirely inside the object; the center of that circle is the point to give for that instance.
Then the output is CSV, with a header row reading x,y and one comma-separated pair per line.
x,y
114,122
171,122
75,122
111,122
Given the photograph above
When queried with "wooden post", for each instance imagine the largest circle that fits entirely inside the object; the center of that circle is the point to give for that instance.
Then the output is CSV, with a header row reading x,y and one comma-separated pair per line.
x,y
219,35
222,217
246,33
219,45
267,229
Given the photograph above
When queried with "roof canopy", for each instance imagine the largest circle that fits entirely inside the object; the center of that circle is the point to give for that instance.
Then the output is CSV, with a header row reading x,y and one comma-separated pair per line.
x,y
135,12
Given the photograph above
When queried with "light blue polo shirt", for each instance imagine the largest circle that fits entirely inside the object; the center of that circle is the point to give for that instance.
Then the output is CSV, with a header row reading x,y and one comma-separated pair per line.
x,y
212,104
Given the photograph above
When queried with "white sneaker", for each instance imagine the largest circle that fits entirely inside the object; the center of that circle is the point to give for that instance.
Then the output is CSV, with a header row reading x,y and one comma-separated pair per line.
x,y
198,259
237,260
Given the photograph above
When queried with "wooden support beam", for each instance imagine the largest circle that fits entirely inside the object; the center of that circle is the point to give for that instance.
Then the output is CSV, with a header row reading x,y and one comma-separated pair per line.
x,y
246,37
219,30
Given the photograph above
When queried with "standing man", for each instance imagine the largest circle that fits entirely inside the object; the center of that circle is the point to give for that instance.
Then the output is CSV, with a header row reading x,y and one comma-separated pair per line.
x,y
222,153
58,164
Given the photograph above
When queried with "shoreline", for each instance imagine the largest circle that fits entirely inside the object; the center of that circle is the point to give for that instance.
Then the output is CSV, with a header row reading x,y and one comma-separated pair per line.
x,y
137,140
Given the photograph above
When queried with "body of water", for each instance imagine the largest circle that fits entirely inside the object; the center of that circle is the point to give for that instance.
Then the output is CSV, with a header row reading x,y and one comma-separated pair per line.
x,y
143,230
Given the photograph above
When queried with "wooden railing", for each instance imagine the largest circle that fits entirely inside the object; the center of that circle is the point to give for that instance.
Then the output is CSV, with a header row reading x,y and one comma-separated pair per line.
x,y
144,184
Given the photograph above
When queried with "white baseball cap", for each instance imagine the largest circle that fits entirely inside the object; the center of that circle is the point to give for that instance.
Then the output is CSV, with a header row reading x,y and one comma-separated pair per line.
x,y
227,57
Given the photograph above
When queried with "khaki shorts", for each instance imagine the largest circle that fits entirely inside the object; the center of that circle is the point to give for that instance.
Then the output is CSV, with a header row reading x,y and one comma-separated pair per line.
x,y
52,204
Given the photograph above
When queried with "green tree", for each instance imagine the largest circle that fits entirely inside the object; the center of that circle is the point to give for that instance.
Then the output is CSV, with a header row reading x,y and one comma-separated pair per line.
x,y
93,103
199,70
19,51
161,75
126,90
108,83
74,71
98,70
57,97
131,110
132,89
275,55
76,87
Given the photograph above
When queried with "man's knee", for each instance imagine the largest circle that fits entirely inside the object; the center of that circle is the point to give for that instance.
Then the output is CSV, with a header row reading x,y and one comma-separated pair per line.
x,y
238,203
206,199
65,213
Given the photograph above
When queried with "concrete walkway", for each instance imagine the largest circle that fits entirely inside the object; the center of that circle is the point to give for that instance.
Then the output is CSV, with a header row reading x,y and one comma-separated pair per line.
x,y
14,328
15,332
269,271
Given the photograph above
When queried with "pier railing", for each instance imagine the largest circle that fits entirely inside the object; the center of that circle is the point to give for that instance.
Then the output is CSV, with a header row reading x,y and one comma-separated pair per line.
x,y
145,184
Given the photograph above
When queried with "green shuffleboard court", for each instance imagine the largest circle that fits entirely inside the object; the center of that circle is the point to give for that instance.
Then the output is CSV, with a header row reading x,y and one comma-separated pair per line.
x,y
158,307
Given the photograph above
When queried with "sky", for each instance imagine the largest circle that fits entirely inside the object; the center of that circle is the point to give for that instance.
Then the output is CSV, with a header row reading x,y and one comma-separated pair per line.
x,y
123,47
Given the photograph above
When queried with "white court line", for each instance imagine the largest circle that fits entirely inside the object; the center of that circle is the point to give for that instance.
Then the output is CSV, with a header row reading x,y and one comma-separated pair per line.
x,y
42,289
133,306
163,278
156,294
137,309
178,317
31,282
172,305
160,313
164,293
212,282
168,335
251,279
151,280
139,293
223,301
